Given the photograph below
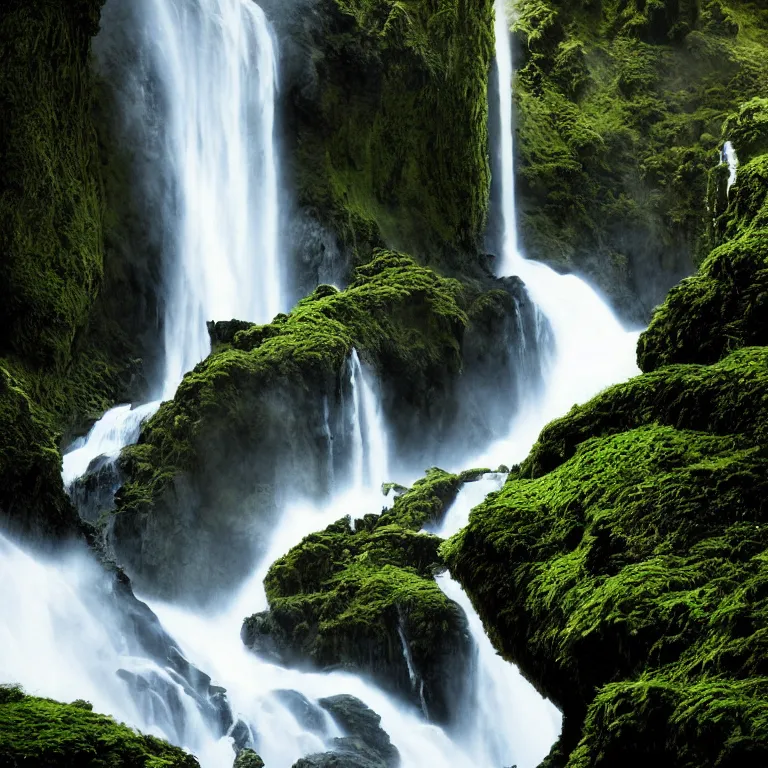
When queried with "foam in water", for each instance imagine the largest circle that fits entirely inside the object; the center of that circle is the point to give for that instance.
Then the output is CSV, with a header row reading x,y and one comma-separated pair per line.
x,y
119,427
216,62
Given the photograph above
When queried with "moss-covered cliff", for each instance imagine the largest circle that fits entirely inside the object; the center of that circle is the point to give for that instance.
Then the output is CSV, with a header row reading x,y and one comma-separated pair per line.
x,y
620,108
39,732
623,565
389,121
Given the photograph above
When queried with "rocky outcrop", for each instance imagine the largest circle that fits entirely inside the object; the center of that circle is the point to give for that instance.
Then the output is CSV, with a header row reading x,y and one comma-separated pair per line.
x,y
272,409
623,565
365,745
363,597
37,731
619,106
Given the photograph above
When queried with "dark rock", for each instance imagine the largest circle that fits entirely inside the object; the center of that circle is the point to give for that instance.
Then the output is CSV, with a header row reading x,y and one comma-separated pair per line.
x,y
260,633
361,724
248,759
94,493
242,736
223,331
307,714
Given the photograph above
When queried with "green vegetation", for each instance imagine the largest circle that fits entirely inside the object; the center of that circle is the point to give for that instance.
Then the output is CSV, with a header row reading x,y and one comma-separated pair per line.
x,y
620,106
41,732
342,597
624,564
392,146
254,414
60,366
725,305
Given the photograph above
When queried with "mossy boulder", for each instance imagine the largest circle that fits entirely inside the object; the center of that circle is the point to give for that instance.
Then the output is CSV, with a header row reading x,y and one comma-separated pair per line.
x,y
387,114
36,731
272,408
623,565
362,596
620,107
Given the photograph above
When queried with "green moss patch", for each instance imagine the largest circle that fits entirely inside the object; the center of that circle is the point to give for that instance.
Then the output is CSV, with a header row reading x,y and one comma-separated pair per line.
x,y
393,144
353,594
620,110
37,731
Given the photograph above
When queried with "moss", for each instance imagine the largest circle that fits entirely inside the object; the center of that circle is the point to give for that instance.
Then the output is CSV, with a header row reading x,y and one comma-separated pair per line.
x,y
617,106
36,731
50,203
392,143
725,305
352,595
32,497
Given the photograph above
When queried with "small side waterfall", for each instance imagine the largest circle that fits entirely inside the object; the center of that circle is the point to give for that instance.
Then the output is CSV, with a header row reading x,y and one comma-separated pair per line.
x,y
591,348
370,451
730,157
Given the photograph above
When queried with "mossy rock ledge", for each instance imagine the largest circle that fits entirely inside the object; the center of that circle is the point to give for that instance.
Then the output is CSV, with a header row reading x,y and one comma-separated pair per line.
x,y
362,596
272,408
620,107
36,731
624,565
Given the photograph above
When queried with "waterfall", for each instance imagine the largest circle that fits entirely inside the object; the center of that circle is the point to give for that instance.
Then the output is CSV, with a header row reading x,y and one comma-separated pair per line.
x,y
216,62
730,157
370,464
591,348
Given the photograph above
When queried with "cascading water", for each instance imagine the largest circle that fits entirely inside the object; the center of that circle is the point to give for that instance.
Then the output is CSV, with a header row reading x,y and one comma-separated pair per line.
x,y
591,348
216,62
730,157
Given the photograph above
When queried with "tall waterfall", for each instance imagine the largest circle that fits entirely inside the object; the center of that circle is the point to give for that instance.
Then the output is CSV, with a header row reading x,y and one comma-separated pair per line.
x,y
591,348
216,61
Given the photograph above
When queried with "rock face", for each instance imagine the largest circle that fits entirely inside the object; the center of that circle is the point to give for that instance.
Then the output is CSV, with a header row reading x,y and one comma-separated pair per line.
x,y
365,745
42,732
386,114
363,597
623,566
271,409
248,759
619,106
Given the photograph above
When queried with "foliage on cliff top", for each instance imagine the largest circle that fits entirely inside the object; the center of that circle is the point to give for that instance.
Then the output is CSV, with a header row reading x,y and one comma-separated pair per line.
x,y
620,107
725,305
36,731
394,137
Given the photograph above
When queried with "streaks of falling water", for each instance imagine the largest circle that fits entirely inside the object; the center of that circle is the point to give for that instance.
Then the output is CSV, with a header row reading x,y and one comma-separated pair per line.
x,y
370,450
216,61
591,348
730,157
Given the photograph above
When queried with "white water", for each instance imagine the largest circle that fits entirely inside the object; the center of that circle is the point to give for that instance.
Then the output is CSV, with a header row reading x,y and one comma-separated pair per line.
x,y
119,427
370,452
730,157
592,350
216,61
